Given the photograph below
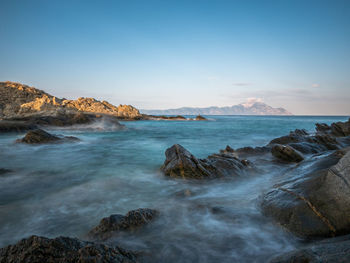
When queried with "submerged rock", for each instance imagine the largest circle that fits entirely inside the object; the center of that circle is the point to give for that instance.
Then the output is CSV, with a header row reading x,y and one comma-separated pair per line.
x,y
116,223
316,203
332,250
36,249
39,136
286,153
181,163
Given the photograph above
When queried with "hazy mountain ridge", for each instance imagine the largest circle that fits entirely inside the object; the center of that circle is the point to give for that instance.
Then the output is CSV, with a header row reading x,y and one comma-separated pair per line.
x,y
256,108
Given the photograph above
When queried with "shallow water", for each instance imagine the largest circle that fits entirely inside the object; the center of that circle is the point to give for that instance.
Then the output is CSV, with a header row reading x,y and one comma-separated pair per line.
x,y
65,189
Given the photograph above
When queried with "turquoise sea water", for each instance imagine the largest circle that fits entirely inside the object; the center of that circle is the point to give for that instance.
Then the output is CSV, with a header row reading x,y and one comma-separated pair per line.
x,y
65,189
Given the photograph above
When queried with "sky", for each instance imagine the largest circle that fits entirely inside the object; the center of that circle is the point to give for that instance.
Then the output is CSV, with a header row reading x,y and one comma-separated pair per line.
x,y
169,54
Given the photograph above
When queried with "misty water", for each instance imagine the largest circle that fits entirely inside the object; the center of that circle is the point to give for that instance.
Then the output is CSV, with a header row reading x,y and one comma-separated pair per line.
x,y
66,189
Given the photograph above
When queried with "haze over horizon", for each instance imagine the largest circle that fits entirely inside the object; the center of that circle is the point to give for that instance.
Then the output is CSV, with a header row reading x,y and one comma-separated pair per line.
x,y
172,54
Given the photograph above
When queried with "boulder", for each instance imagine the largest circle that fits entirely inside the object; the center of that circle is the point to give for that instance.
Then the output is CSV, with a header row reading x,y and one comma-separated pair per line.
x,y
182,164
39,136
36,249
113,224
286,153
314,199
332,250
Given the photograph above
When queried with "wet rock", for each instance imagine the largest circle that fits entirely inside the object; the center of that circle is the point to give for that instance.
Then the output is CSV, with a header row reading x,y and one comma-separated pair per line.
x,y
113,224
36,249
315,203
39,136
332,250
341,129
322,127
286,153
182,164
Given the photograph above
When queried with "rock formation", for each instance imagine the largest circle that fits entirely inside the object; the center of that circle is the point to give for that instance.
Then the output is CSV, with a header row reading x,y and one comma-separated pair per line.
x,y
36,249
113,224
182,164
18,100
286,153
40,136
314,200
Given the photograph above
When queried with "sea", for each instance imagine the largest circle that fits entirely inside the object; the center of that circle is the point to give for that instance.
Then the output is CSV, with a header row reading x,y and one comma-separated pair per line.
x,y
66,189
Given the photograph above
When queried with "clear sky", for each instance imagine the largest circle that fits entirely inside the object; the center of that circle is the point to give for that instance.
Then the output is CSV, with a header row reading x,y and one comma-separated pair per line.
x,y
167,54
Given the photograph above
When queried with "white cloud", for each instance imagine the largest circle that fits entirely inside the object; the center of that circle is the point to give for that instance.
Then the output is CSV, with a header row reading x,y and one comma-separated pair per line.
x,y
250,101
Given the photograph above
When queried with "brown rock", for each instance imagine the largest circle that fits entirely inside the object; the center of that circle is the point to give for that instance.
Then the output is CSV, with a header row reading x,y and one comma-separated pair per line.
x,y
36,249
286,153
113,224
39,136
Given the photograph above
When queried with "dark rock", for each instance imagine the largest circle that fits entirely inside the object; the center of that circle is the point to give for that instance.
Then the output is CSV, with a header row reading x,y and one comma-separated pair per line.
x,y
36,249
200,118
113,224
316,202
286,153
252,151
322,127
341,129
4,171
16,126
39,136
332,250
181,163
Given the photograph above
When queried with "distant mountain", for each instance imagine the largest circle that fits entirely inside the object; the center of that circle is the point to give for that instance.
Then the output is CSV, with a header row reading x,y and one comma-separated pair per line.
x,y
249,108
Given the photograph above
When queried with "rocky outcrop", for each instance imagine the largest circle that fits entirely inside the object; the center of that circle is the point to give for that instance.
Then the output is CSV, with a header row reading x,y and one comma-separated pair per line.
x,y
18,100
286,153
39,136
36,249
333,250
200,118
182,164
315,199
114,224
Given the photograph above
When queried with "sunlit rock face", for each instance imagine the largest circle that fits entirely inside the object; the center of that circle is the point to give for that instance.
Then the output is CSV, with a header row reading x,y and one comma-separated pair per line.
x,y
18,100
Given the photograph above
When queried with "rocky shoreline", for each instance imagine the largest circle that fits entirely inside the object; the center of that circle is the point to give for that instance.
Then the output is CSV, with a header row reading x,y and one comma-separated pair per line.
x,y
23,108
311,199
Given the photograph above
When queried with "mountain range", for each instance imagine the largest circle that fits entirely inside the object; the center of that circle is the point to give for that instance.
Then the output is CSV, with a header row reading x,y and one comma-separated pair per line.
x,y
248,108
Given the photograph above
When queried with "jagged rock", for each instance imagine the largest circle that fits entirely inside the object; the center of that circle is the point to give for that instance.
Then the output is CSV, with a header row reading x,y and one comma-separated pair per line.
x,y
181,163
286,153
341,129
332,250
113,224
314,200
18,100
252,151
36,249
322,127
16,126
39,136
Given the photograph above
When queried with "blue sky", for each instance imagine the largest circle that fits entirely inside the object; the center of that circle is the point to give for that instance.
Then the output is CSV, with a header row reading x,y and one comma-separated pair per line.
x,y
167,54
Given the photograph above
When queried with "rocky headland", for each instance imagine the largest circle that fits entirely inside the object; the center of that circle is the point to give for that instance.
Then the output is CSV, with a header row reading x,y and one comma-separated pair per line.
x,y
22,108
